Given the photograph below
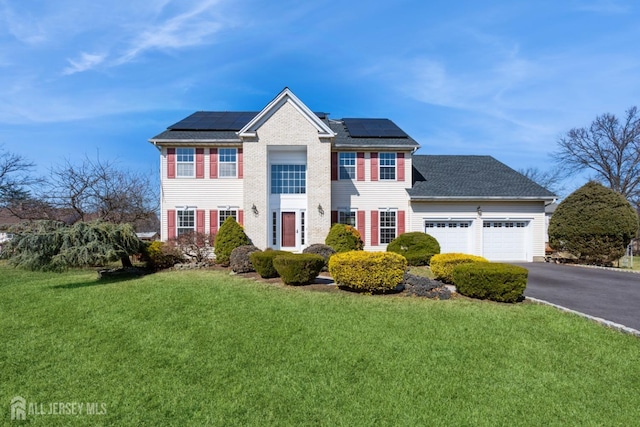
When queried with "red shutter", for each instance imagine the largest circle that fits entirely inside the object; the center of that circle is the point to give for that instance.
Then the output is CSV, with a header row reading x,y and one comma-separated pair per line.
x,y
374,228
361,224
171,162
400,222
240,163
171,224
200,221
199,162
400,166
213,222
374,166
240,217
213,163
334,217
334,166
360,166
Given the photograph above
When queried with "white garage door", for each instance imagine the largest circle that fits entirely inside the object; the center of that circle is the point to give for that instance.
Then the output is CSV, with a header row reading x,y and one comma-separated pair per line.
x,y
504,240
453,236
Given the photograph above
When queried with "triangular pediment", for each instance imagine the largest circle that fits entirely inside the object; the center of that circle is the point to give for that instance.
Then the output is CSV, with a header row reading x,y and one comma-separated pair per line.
x,y
283,98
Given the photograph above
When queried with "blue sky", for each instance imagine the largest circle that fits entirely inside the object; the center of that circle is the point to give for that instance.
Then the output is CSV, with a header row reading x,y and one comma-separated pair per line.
x,y
501,78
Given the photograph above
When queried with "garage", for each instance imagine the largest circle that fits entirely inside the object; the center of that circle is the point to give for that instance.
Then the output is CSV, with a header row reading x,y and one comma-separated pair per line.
x,y
453,236
505,240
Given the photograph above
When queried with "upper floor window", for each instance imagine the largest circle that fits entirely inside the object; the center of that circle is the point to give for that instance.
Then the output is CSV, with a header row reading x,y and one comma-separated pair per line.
x,y
288,179
185,162
347,165
224,214
387,226
387,166
227,162
347,217
186,221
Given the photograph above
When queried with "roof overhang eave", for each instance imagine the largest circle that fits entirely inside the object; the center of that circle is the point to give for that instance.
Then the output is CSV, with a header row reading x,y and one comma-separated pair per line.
x,y
486,198
195,141
378,146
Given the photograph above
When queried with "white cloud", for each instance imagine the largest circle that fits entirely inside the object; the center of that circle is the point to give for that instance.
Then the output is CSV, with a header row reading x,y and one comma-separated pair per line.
x,y
87,61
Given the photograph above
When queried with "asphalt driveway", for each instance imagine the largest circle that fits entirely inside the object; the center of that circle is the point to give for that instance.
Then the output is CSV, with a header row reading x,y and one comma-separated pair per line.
x,y
611,295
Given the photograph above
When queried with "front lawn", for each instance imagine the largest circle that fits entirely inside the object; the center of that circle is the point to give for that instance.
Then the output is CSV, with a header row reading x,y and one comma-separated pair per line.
x,y
206,348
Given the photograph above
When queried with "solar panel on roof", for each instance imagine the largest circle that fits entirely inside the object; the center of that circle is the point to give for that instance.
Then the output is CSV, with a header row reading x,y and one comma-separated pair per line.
x,y
373,128
215,120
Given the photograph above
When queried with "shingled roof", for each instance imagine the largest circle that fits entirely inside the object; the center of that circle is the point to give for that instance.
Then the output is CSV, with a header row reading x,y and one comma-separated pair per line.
x,y
470,177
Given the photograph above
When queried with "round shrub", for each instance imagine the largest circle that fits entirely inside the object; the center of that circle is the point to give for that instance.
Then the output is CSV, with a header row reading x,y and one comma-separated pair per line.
x,y
325,251
239,259
494,281
368,271
263,262
298,269
344,238
230,236
594,223
158,255
442,265
416,247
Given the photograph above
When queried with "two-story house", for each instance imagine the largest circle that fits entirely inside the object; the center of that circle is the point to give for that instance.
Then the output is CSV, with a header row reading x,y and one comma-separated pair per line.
x,y
287,173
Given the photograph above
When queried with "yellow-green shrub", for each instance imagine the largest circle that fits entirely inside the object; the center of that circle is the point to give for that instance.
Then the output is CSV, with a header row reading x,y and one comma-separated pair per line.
x,y
494,281
442,265
368,271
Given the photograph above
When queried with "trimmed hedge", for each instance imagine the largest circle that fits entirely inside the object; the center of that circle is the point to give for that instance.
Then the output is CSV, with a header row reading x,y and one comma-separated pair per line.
x,y
368,271
442,265
416,247
493,281
298,269
239,259
230,236
325,251
263,262
344,238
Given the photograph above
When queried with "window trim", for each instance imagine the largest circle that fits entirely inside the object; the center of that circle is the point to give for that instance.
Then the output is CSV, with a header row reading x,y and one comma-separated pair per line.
x,y
220,216
382,157
342,213
191,162
351,169
302,179
382,212
222,162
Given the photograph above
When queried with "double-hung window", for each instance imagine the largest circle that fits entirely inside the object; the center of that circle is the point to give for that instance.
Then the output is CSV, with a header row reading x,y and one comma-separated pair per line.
x,y
347,217
387,226
224,214
186,221
227,162
387,166
347,165
185,162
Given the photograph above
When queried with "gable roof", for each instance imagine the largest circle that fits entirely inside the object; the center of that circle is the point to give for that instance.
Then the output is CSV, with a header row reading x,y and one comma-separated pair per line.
x,y
229,127
471,177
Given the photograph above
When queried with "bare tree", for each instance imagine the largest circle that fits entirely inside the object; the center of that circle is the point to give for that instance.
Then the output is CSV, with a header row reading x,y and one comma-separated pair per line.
x,y
609,148
96,189
15,178
550,179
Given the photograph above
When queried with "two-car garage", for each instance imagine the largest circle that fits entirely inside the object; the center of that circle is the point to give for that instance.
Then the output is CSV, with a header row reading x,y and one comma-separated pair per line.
x,y
500,240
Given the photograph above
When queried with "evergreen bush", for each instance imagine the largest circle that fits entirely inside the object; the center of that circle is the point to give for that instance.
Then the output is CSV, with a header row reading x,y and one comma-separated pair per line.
x,y
442,265
344,238
325,251
494,281
368,271
230,236
263,262
416,247
594,223
298,269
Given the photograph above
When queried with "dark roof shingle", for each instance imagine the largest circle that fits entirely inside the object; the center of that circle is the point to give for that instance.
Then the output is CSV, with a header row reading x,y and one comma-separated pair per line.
x,y
470,177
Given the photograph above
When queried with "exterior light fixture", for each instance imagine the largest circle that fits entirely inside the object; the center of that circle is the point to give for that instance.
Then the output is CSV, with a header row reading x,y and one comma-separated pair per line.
x,y
254,209
479,210
320,210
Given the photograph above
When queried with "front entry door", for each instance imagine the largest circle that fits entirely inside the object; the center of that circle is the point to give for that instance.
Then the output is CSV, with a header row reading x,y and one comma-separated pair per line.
x,y
288,229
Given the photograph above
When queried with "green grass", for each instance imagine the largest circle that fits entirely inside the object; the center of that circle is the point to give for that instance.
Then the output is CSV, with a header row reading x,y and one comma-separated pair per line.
x,y
205,348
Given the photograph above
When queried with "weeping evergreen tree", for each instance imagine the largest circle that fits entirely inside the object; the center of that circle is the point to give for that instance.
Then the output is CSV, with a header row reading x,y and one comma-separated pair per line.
x,y
54,246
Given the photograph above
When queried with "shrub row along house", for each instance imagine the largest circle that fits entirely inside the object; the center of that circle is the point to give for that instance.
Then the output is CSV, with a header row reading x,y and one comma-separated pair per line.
x,y
287,173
